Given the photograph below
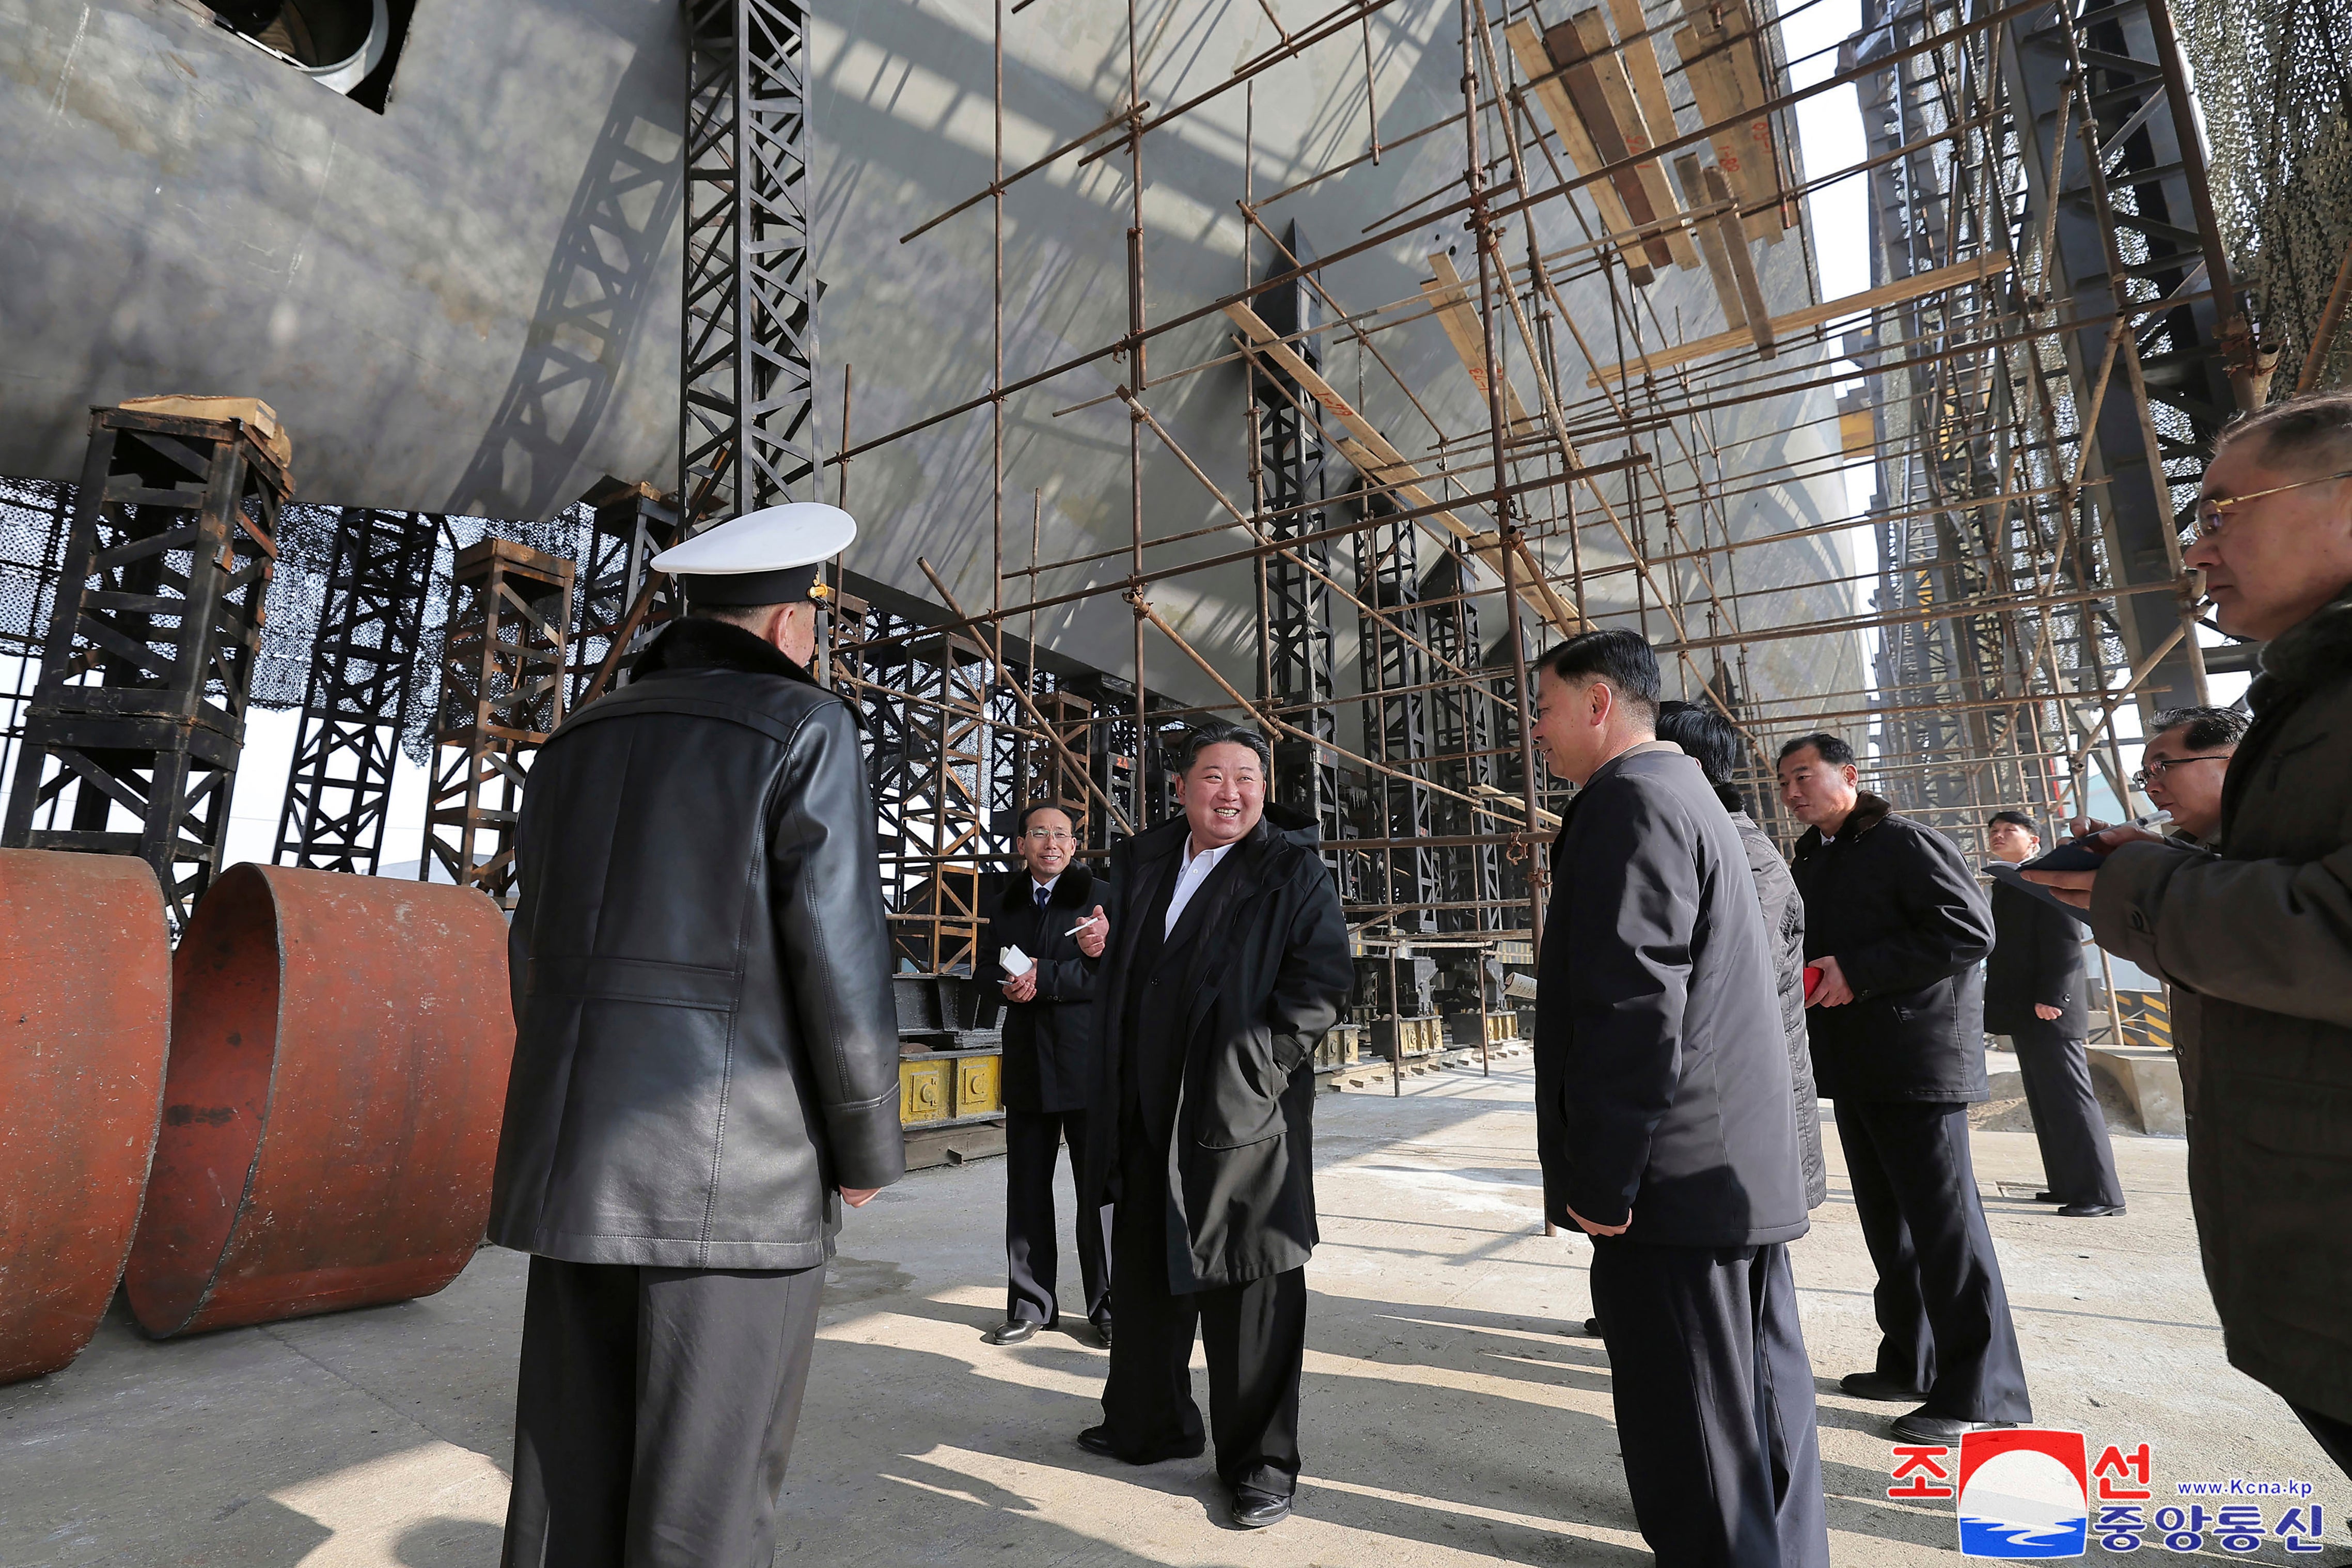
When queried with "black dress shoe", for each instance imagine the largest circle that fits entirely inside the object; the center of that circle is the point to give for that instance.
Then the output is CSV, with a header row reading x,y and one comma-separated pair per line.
x,y
1012,1332
1255,1509
1919,1426
1096,1440
1873,1385
2091,1211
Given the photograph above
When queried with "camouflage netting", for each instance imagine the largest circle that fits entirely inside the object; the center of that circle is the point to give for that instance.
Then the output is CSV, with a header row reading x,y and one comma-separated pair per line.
x,y
2274,79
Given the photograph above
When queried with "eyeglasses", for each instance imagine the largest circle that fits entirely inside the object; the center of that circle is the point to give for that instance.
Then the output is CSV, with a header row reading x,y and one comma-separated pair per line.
x,y
2158,770
2214,512
1048,835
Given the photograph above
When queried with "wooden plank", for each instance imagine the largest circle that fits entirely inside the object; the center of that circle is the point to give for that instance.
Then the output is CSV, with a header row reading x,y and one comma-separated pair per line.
x,y
1579,71
1633,125
1720,65
1551,92
1711,245
1958,275
1743,263
1449,299
1372,455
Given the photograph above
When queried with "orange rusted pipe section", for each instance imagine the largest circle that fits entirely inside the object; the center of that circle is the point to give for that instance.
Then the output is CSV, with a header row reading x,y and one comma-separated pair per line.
x,y
85,1013
339,1049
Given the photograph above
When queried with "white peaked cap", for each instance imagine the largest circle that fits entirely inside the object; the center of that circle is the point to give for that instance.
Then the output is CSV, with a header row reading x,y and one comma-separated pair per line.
x,y
798,533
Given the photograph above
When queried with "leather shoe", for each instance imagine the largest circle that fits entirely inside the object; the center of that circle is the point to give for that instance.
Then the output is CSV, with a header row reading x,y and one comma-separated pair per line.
x,y
1012,1332
1255,1509
1096,1440
1918,1426
1874,1385
2091,1211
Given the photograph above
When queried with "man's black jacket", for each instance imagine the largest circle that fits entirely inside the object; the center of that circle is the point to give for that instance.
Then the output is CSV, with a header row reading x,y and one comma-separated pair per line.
x,y
1049,1044
2037,956
706,1043
1267,978
1661,1068
1898,908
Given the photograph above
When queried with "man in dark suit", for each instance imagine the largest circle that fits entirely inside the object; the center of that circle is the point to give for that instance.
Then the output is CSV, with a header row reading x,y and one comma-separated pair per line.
x,y
2035,989
1045,908
1229,965
1898,926
1662,1117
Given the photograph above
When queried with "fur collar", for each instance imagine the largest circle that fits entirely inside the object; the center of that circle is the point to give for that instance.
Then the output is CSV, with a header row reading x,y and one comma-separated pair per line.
x,y
2309,653
699,642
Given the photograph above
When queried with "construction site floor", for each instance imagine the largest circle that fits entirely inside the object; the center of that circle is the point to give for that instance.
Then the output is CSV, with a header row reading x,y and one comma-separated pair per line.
x,y
1448,1419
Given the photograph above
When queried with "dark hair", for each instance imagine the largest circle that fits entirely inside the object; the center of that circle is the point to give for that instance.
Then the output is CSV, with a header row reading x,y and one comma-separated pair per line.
x,y
2016,817
1021,824
1834,752
1621,657
2310,427
1705,735
2205,729
1200,739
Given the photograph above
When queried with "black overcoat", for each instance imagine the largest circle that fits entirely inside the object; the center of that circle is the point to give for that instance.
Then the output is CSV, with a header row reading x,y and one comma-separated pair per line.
x,y
1661,1068
1895,904
706,1047
1049,1044
1266,978
2037,956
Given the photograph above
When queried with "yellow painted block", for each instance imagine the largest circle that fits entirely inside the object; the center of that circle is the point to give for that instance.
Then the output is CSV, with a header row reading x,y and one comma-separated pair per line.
x,y
922,1090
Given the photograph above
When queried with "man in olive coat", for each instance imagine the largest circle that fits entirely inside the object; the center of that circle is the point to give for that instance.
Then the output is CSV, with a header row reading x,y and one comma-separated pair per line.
x,y
1228,965
1898,926
1046,907
2256,941
705,1067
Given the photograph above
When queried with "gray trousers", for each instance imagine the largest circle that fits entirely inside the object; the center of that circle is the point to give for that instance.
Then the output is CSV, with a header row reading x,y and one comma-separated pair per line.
x,y
654,1412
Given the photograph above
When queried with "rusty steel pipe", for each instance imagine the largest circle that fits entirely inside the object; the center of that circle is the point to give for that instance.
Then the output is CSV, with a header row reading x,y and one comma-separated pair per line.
x,y
340,1048
85,1013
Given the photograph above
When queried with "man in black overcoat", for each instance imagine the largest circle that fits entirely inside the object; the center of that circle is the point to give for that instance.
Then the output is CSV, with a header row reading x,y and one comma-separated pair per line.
x,y
1228,965
706,1066
2034,992
1664,1120
1898,926
1043,908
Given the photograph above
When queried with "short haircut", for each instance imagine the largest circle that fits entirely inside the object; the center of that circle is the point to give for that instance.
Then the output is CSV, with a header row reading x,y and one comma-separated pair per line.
x,y
2017,818
1022,824
2316,429
1623,658
1200,739
1705,735
1833,750
2202,728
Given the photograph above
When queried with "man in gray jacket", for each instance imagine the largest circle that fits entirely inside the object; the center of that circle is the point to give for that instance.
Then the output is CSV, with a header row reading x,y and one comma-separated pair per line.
x,y
705,1067
2256,940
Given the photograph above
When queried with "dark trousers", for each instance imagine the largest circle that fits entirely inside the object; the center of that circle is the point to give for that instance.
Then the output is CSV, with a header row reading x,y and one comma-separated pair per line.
x,y
654,1412
1033,1141
2067,1122
1715,1403
1255,1335
2330,1434
1943,1316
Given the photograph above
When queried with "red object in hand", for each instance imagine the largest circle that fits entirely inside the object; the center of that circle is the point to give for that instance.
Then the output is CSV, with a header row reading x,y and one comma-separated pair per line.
x,y
1812,980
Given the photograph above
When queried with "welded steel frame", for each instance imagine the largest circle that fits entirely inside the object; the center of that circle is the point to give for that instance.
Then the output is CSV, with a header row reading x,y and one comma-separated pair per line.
x,y
746,426
502,689
355,701
139,716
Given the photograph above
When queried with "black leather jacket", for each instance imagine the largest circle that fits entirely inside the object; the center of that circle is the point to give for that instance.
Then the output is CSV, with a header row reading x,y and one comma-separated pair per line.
x,y
707,1046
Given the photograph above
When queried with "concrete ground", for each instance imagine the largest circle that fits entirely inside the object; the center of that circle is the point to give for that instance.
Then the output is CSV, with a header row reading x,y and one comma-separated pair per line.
x,y
1447,1417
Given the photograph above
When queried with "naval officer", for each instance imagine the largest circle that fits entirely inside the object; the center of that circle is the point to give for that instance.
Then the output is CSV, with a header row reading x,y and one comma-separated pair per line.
x,y
705,1069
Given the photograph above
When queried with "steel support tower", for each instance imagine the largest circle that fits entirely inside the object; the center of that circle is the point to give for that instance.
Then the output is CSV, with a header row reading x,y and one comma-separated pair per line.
x,y
355,703
131,739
